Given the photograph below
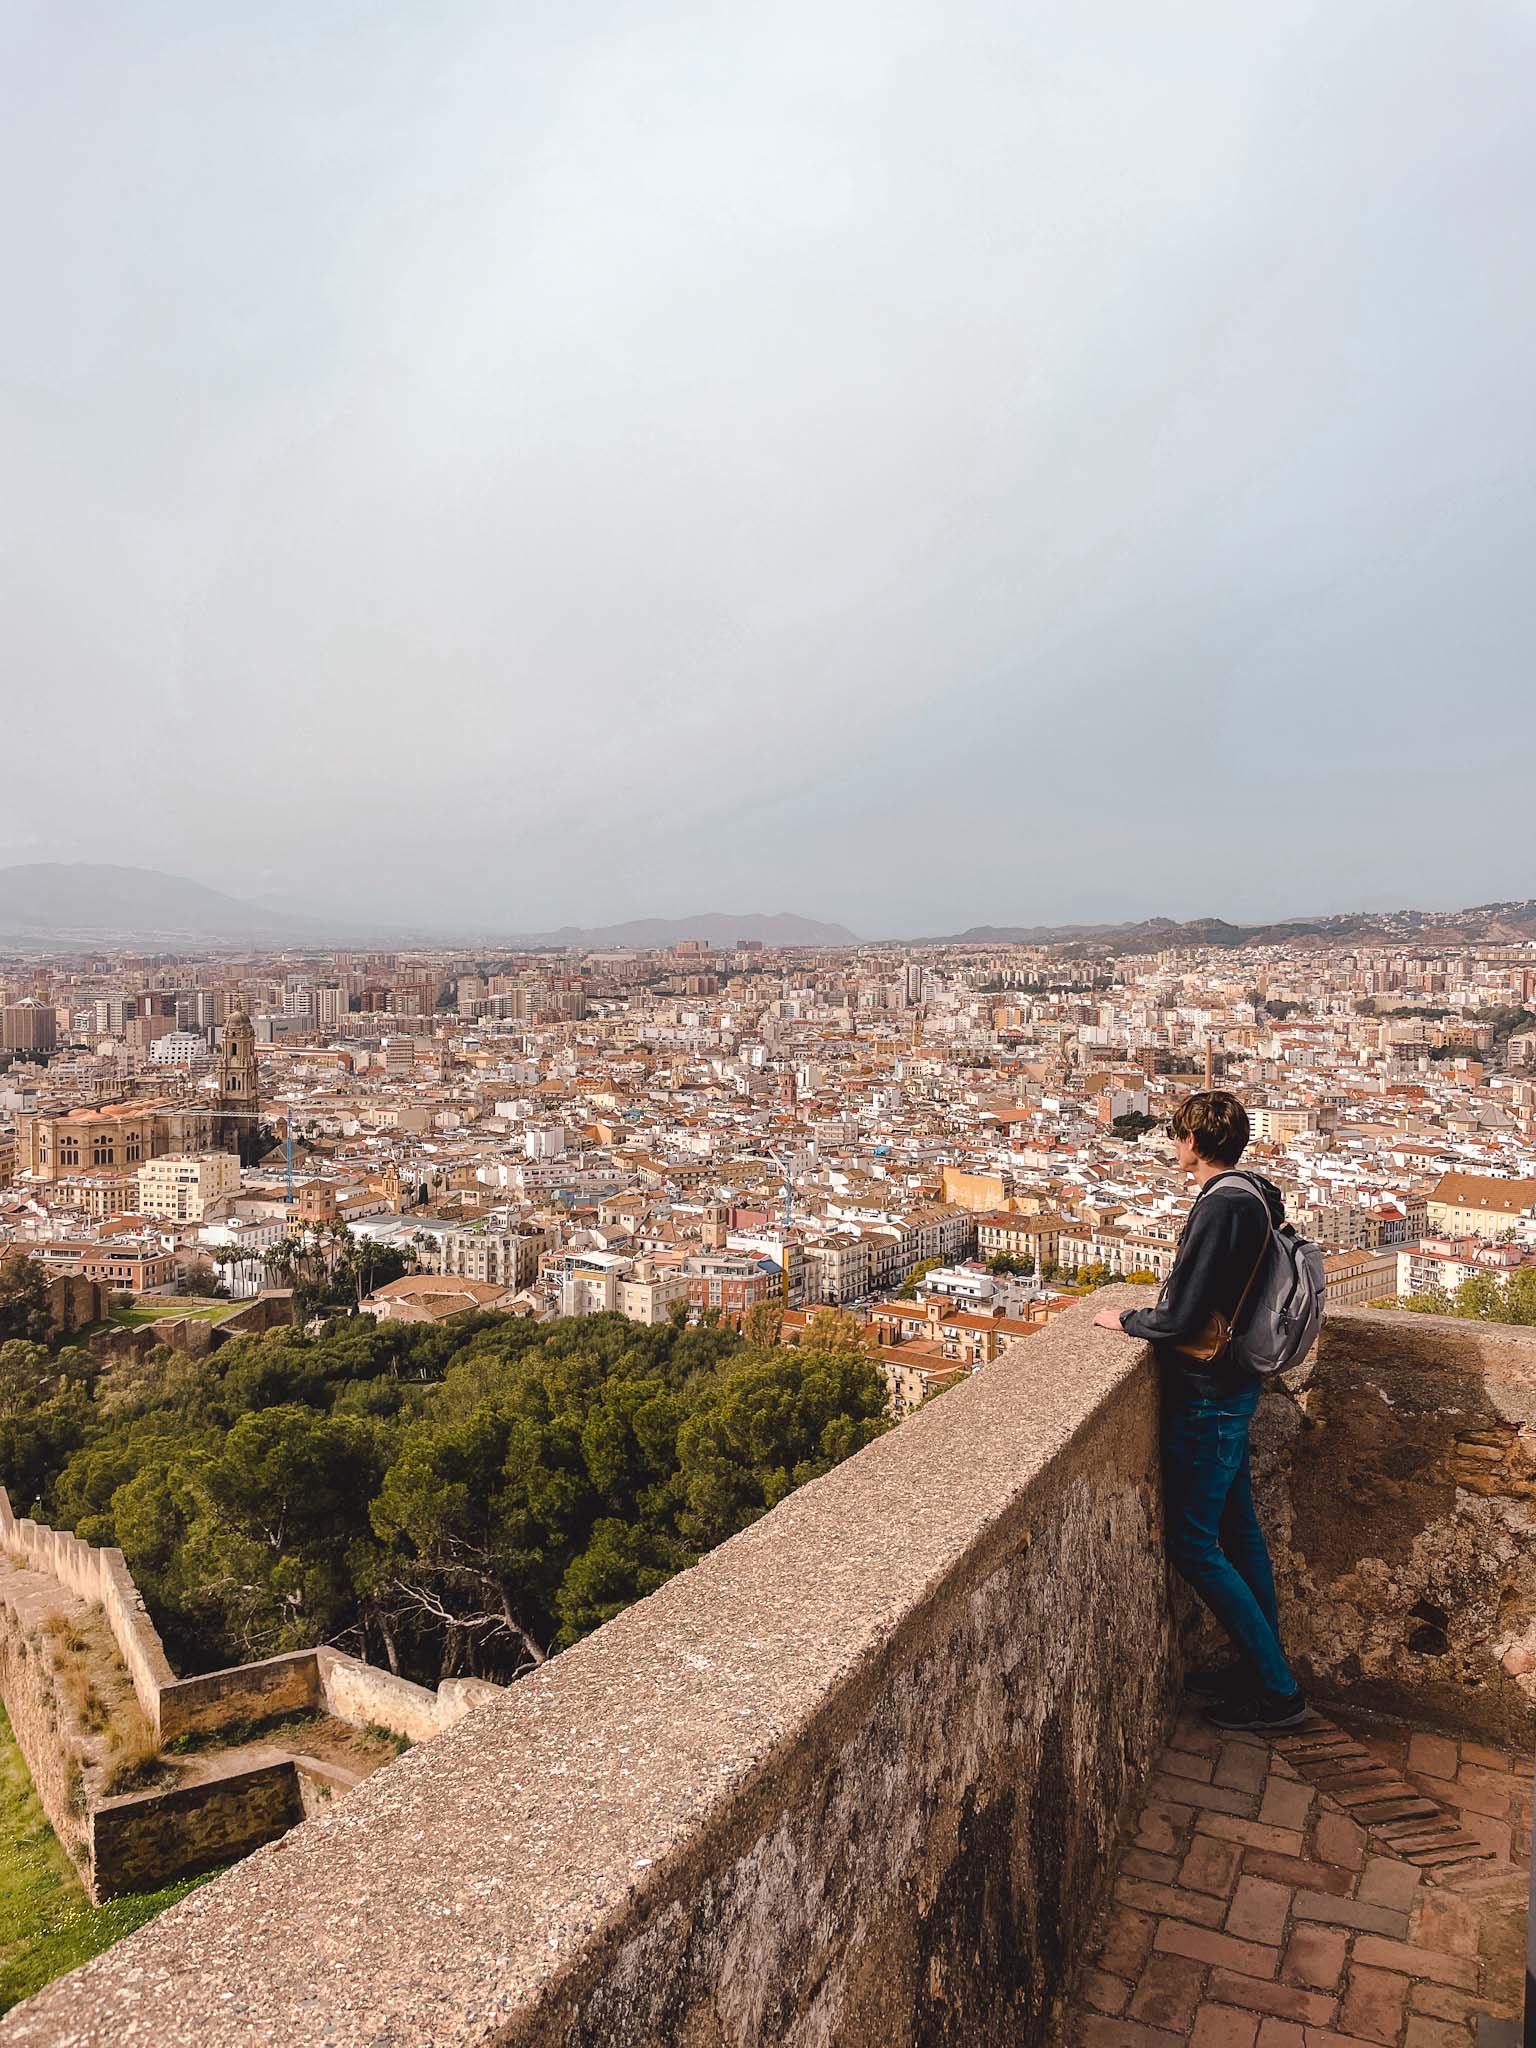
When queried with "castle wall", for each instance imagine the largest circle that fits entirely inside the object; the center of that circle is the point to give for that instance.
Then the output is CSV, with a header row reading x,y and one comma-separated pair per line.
x,y
38,1720
243,1692
1403,1525
366,1696
152,1838
96,1575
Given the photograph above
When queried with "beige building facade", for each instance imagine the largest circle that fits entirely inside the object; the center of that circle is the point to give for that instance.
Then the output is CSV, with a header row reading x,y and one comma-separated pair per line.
x,y
178,1186
117,1136
1480,1205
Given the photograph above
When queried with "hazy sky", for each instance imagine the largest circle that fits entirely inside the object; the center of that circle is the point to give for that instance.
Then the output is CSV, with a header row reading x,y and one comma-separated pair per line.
x,y
916,463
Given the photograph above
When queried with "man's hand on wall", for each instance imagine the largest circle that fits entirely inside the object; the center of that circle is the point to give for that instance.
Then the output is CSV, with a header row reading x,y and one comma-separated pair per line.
x,y
1106,1319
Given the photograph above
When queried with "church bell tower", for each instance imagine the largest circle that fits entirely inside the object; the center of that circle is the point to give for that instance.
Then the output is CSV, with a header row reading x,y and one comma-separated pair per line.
x,y
239,1099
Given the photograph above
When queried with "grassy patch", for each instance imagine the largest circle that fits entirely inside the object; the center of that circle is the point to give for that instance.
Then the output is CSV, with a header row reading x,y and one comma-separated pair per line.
x,y
196,1311
140,1774
47,1925
388,1738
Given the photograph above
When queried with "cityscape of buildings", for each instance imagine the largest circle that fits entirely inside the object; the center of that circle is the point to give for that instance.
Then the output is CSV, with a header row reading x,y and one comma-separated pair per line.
x,y
942,1141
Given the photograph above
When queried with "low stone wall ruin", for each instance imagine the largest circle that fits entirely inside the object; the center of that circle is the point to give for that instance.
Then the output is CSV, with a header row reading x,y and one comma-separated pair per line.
x,y
151,1838
147,1838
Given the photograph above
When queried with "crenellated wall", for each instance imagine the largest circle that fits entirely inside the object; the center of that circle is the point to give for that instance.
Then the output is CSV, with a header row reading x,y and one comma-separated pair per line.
x,y
99,1576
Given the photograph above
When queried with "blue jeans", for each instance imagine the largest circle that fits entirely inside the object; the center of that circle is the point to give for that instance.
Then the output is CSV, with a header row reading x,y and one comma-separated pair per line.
x,y
1214,1538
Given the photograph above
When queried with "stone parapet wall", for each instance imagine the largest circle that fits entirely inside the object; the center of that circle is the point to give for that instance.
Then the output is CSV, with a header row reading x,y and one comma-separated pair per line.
x,y
38,1721
851,1780
99,1576
367,1696
241,1692
1404,1525
152,1838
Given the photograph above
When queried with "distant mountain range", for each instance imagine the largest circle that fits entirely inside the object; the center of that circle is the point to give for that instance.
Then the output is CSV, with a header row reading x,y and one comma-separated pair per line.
x,y
89,904
715,927
1487,923
86,904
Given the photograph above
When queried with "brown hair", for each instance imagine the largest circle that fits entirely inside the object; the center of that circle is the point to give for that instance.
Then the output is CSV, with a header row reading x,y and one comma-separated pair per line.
x,y
1215,1123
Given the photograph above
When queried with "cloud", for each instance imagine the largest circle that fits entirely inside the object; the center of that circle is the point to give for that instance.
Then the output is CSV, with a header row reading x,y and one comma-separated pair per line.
x,y
923,465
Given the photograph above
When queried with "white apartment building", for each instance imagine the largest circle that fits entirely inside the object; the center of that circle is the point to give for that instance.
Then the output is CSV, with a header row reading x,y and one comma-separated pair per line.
x,y
1444,1262
839,1270
510,1258
178,1186
589,1282
647,1295
180,1049
250,1237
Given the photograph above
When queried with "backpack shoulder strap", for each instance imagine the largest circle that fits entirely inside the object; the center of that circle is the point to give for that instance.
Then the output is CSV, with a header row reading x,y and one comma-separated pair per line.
x,y
1246,1180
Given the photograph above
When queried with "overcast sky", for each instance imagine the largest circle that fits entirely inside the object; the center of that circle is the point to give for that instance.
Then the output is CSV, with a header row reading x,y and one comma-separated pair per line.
x,y
918,463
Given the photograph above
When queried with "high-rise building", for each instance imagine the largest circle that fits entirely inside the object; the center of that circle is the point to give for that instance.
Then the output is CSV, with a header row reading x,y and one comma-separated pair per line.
x,y
28,1026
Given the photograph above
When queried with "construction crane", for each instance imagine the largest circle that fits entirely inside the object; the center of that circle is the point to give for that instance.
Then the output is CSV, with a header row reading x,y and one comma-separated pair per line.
x,y
261,1116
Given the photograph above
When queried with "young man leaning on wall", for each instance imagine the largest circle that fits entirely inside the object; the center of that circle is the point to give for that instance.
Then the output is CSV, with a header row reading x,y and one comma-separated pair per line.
x,y
1207,1403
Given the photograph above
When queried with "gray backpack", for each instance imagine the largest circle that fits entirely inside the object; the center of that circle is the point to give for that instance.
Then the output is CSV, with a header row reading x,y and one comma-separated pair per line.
x,y
1281,1309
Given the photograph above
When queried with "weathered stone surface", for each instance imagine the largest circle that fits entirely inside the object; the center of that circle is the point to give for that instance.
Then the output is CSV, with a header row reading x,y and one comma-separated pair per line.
x,y
38,1717
1404,1528
853,1779
151,1839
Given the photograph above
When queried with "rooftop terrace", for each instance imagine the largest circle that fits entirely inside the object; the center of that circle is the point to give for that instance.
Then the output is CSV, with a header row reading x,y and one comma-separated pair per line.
x,y
905,1763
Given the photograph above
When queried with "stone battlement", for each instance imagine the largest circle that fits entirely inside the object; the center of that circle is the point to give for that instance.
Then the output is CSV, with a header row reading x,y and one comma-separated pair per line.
x,y
143,1839
857,1777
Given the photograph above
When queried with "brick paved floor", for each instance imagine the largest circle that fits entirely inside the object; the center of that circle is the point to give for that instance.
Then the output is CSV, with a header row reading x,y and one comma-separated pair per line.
x,y
1339,1887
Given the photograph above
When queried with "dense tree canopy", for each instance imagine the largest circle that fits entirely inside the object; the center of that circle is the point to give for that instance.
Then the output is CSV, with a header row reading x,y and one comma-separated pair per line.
x,y
1484,1298
23,1300
462,1497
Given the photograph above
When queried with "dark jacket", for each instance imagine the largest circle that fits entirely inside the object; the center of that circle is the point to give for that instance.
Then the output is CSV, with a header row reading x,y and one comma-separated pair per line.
x,y
1219,1248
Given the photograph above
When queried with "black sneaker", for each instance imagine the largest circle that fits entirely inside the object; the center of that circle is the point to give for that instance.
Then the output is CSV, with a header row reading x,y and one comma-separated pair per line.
x,y
1261,1711
1219,1681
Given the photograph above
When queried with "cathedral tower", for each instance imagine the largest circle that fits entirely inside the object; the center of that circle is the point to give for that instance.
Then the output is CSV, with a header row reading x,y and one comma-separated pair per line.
x,y
239,1099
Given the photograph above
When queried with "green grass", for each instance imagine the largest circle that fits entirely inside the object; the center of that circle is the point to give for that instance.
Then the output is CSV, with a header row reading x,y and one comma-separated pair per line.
x,y
201,1312
47,1925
